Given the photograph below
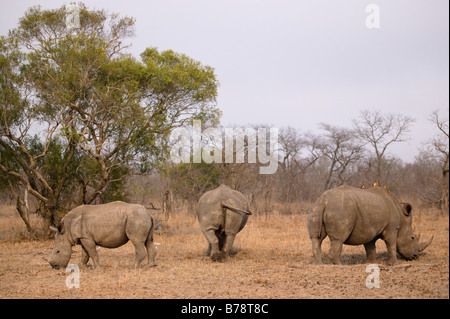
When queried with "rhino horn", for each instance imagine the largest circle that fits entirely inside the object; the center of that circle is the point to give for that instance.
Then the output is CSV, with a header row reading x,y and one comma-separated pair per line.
x,y
424,245
53,229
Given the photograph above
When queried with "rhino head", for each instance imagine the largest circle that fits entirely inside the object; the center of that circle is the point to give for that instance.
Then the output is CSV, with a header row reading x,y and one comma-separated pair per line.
x,y
60,256
408,244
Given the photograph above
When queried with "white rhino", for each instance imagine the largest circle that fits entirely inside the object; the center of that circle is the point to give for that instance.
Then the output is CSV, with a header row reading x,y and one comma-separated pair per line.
x,y
109,225
222,213
355,216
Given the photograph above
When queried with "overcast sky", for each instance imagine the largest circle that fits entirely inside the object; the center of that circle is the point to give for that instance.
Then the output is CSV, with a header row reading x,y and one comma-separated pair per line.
x,y
299,63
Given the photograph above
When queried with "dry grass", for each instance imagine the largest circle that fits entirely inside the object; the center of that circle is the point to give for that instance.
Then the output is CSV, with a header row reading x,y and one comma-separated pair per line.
x,y
272,261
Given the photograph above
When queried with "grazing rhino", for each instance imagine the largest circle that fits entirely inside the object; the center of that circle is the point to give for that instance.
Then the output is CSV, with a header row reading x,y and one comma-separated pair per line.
x,y
222,213
109,225
355,216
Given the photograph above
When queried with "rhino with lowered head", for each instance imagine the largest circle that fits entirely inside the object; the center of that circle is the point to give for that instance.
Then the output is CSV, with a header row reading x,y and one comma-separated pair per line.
x,y
109,225
354,216
222,213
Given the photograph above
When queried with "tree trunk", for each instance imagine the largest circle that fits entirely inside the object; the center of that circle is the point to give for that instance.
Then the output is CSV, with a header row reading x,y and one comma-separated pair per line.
x,y
22,208
167,204
51,217
444,188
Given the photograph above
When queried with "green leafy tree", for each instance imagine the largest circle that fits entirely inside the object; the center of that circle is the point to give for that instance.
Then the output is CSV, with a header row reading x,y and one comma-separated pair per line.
x,y
189,181
78,111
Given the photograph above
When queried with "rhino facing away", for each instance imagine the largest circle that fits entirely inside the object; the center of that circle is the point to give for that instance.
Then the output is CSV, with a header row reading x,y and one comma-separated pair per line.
x,y
222,213
109,225
355,216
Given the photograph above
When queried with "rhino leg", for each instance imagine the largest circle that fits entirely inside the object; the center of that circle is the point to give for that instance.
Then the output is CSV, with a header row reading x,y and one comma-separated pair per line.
x,y
228,245
139,247
391,245
335,251
317,250
208,250
141,253
390,239
151,251
84,257
91,250
216,254
371,252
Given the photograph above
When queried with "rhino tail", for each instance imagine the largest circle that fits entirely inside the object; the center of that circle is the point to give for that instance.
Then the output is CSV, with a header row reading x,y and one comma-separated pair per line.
x,y
152,229
235,209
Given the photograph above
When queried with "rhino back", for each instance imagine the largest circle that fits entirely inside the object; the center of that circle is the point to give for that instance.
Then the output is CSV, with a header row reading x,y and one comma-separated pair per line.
x,y
108,224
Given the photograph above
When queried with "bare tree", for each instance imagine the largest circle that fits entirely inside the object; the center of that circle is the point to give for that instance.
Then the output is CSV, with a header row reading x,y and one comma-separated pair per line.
x,y
440,145
291,144
342,147
380,131
299,152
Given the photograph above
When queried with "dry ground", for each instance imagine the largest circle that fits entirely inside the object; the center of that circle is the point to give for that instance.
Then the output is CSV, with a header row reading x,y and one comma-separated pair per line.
x,y
272,261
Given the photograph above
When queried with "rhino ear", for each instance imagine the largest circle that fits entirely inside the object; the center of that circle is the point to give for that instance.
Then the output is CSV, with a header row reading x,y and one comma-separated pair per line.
x,y
407,208
61,228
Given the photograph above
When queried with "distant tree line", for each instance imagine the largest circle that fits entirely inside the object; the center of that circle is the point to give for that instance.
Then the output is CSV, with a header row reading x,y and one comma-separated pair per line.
x,y
310,163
